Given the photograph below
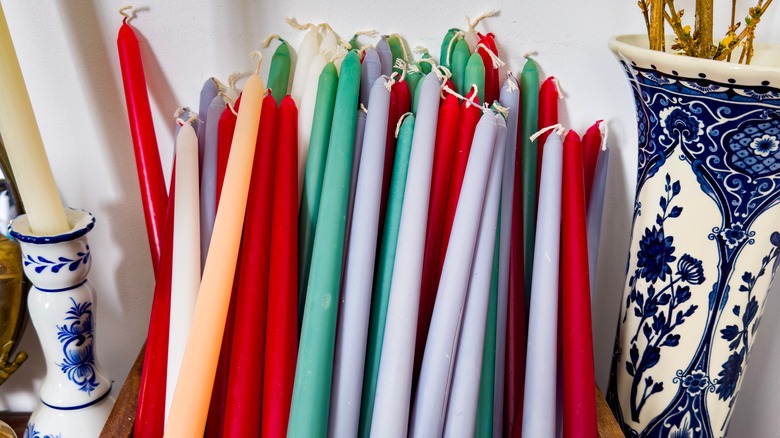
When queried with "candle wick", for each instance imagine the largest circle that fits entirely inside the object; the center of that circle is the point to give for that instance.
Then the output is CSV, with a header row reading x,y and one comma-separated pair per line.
x,y
233,78
504,111
297,26
604,127
401,65
469,100
432,63
445,72
412,68
557,87
531,53
179,111
390,81
220,86
400,122
259,55
557,128
458,34
269,38
363,108
488,14
327,28
123,11
497,62
512,81
420,49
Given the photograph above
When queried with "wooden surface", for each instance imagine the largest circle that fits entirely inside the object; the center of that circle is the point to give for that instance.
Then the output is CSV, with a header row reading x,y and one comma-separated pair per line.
x,y
17,421
608,425
120,421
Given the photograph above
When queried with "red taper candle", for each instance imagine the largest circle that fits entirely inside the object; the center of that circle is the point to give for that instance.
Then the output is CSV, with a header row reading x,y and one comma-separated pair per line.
x,y
225,129
469,116
579,404
150,412
443,156
491,71
154,196
548,116
245,376
400,104
591,145
281,333
517,323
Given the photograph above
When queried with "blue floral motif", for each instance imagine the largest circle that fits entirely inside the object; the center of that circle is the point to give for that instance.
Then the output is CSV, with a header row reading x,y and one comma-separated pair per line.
x,y
42,263
77,346
678,122
733,235
31,432
729,136
659,310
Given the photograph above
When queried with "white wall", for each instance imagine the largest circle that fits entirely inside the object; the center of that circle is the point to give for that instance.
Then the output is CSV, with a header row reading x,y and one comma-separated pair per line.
x,y
67,51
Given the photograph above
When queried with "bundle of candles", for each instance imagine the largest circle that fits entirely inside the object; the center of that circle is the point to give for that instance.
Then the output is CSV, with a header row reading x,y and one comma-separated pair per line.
x,y
376,236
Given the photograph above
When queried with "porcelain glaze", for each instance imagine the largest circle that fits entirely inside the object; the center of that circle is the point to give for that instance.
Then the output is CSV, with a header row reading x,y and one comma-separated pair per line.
x,y
704,243
76,393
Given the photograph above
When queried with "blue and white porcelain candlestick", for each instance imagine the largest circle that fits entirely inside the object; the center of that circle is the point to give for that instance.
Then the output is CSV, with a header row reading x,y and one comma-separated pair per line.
x,y
76,393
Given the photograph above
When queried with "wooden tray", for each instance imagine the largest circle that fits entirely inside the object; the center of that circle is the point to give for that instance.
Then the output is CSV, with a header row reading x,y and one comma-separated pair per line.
x,y
120,422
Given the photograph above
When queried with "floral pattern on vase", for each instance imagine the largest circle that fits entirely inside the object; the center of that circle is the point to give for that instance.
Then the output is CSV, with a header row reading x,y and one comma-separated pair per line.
x,y
76,336
704,245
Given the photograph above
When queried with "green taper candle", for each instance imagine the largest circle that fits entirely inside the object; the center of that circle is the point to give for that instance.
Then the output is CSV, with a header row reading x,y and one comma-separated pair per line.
x,y
460,57
311,392
279,74
312,182
529,95
446,47
487,376
412,79
475,75
396,48
384,274
425,67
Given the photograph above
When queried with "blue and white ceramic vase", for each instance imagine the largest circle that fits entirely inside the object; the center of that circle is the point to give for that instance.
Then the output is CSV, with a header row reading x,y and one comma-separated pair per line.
x,y
704,241
76,393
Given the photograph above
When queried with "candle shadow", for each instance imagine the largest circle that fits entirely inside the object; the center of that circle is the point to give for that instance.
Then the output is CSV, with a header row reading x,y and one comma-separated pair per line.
x,y
613,251
122,220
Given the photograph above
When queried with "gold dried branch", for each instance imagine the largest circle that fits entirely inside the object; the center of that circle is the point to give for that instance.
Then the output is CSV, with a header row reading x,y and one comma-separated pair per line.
x,y
700,43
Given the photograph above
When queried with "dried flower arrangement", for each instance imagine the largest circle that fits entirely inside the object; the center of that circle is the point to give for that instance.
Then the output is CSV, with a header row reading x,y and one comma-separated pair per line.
x,y
700,42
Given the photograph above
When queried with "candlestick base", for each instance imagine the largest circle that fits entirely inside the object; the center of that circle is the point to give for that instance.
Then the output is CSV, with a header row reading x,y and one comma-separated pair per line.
x,y
76,392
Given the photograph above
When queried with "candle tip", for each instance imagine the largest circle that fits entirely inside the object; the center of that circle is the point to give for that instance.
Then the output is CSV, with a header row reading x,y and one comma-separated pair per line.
x,y
497,62
604,134
269,38
400,122
557,128
557,87
530,54
259,55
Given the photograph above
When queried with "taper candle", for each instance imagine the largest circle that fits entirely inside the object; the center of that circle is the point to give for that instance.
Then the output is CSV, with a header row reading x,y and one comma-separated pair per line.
x,y
391,404
539,411
579,405
315,170
384,273
185,271
360,131
509,367
443,155
227,127
208,176
474,74
595,214
309,49
447,46
311,392
385,56
492,92
462,405
432,389
591,145
484,421
529,97
245,382
193,390
548,116
281,333
308,107
150,411
207,95
147,155
469,117
459,60
279,73
398,51
350,352
371,70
